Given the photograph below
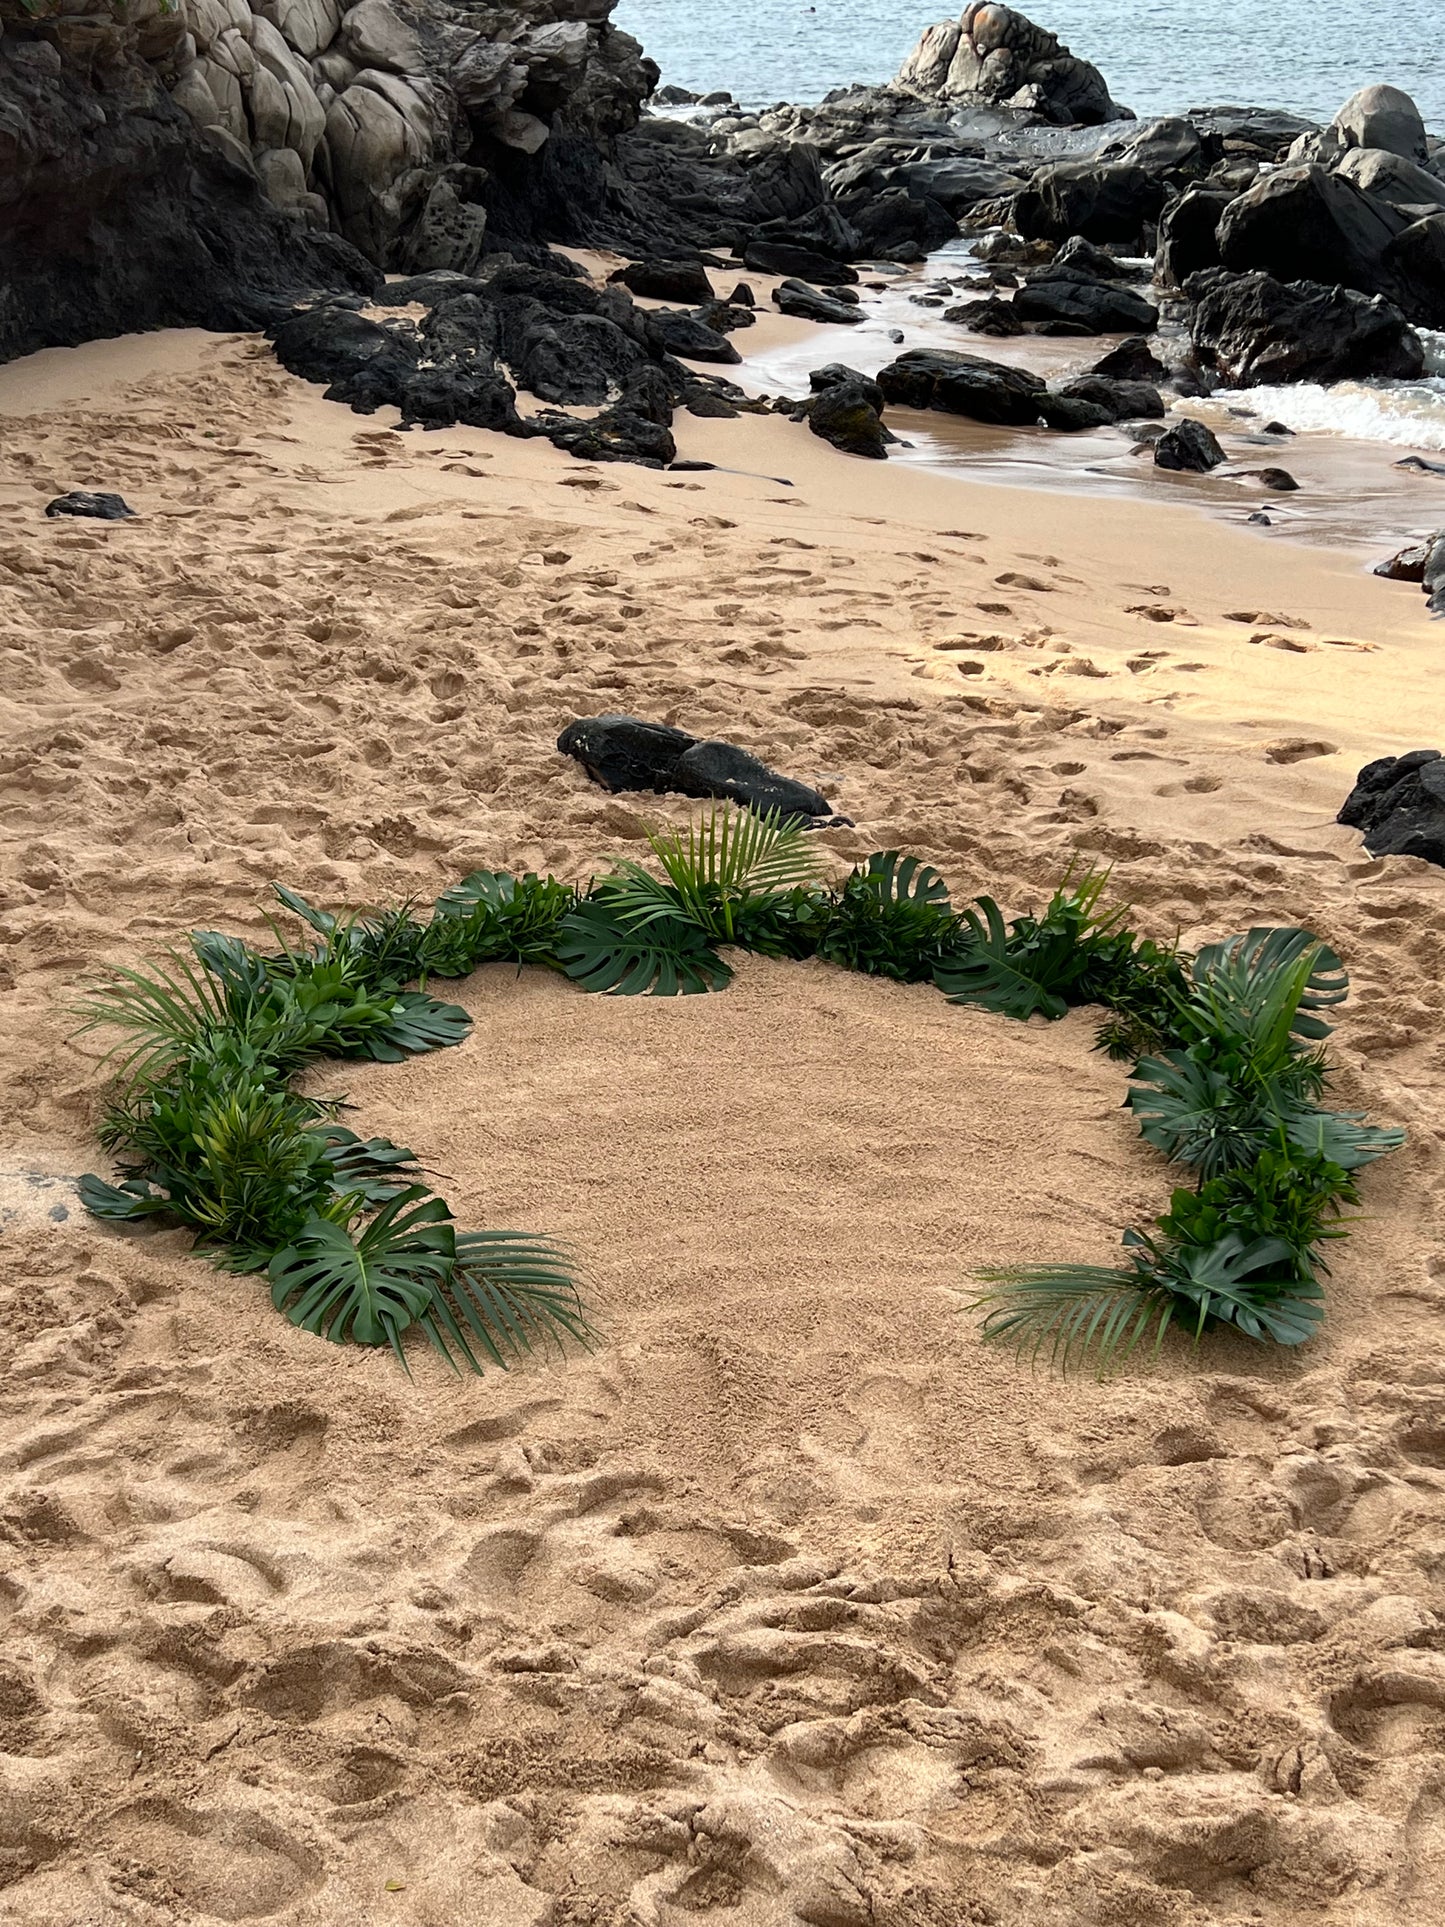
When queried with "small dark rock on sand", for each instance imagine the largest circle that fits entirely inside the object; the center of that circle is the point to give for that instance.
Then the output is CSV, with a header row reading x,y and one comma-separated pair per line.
x,y
1188,446
98,504
1399,804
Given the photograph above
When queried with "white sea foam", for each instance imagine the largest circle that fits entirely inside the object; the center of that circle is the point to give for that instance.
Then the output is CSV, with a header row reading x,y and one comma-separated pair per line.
x,y
1406,414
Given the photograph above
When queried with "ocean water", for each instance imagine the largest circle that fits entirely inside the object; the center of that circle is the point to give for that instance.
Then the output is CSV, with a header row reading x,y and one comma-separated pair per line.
x,y
1158,56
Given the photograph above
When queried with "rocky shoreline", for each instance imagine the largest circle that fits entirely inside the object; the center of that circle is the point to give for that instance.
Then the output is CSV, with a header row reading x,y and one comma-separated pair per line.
x,y
270,168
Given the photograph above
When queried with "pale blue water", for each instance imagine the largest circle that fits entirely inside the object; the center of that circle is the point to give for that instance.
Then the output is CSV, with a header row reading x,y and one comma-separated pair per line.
x,y
1304,55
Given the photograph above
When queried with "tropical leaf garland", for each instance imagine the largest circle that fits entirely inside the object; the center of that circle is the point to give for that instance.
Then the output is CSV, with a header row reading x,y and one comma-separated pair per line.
x,y
1228,1071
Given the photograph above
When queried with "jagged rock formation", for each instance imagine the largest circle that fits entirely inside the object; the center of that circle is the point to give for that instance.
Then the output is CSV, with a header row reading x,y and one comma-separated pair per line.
x,y
204,162
117,215
995,54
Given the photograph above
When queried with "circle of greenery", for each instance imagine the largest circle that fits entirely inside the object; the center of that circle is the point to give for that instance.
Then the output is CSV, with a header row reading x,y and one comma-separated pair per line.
x,y
208,1131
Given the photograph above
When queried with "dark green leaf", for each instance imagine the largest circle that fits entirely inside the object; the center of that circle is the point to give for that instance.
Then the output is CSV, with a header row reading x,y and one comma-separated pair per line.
x,y
418,1023
367,1288
603,953
124,1203
997,976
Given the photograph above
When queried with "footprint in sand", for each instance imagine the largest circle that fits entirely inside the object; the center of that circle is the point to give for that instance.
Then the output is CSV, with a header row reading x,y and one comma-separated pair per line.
x,y
1296,749
1268,639
1264,618
1161,612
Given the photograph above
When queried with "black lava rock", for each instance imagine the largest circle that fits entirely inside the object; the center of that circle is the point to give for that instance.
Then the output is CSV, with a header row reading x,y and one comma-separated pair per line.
x,y
809,304
1408,565
676,333
1088,305
961,384
682,281
1132,360
799,263
849,415
838,372
626,753
712,768
1070,413
1254,330
1123,401
1399,804
99,504
1188,446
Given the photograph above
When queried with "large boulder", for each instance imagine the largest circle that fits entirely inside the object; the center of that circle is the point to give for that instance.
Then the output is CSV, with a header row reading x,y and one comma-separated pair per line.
x,y
1399,804
1306,224
1374,170
956,383
1101,200
118,213
1383,117
1253,330
996,54
1189,235
1416,261
1084,304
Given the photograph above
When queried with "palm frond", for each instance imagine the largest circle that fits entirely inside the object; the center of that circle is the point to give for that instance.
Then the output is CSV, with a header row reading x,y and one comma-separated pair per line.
x,y
738,853
1073,1311
162,1010
507,1295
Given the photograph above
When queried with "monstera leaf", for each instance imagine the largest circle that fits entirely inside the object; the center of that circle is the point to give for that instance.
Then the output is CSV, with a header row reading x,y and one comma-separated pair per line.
x,y
891,918
372,1169
366,1288
1342,1137
1221,1281
418,1023
602,951
1250,980
1014,980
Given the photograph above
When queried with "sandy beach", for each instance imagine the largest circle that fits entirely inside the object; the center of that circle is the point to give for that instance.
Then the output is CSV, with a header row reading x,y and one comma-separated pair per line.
x,y
791,1603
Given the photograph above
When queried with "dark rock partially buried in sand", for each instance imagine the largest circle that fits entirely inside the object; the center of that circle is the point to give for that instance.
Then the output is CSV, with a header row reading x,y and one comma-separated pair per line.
x,y
1189,446
682,281
98,504
1423,563
799,263
1399,804
1409,565
626,753
847,410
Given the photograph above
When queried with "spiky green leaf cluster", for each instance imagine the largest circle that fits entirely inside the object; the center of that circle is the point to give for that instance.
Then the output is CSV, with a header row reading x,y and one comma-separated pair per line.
x,y
1236,1100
